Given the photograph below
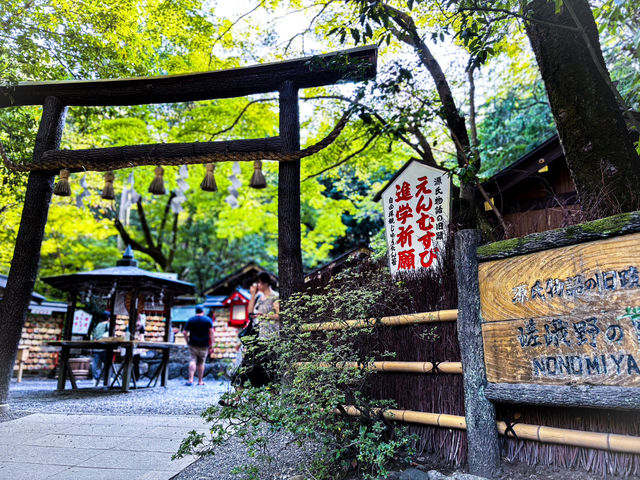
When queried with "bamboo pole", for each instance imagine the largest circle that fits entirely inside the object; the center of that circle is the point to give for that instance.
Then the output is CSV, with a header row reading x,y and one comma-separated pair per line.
x,y
388,366
603,441
393,321
611,442
410,416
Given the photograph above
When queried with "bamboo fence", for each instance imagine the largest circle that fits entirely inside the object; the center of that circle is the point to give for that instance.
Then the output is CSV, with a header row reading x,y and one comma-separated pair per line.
x,y
389,366
603,441
393,321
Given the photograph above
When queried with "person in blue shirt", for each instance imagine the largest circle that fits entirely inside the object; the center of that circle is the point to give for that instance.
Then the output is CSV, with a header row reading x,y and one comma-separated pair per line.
x,y
198,333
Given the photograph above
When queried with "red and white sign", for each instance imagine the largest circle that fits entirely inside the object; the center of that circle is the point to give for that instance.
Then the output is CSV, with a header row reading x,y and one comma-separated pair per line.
x,y
81,322
416,215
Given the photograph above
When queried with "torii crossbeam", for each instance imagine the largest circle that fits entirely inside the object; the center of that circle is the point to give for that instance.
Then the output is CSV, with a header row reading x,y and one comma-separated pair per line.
x,y
284,77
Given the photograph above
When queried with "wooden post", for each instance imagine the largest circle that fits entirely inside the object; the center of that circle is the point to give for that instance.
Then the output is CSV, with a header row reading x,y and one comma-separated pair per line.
x,y
26,255
108,354
482,434
167,334
23,355
67,329
66,335
289,250
133,310
112,312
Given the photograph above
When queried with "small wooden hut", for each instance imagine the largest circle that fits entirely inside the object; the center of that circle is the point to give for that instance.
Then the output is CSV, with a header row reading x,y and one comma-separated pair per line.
x,y
535,193
128,290
43,324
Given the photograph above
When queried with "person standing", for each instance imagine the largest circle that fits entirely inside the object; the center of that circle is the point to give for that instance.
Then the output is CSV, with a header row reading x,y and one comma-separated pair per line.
x,y
198,333
265,304
255,359
100,331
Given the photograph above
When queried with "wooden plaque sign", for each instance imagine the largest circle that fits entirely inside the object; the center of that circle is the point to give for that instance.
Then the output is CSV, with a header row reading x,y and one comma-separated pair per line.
x,y
556,317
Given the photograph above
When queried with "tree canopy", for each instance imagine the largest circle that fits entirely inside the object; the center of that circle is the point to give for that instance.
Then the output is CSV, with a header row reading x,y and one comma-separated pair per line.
x,y
458,87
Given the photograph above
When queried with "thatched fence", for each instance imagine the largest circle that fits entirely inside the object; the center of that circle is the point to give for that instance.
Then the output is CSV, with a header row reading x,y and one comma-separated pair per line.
x,y
540,362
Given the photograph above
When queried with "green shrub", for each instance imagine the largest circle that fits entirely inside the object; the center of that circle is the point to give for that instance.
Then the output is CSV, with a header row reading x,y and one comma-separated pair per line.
x,y
315,382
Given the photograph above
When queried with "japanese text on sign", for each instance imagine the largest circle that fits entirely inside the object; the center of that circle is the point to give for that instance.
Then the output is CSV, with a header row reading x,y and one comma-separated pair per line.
x,y
81,322
416,206
557,316
598,334
577,285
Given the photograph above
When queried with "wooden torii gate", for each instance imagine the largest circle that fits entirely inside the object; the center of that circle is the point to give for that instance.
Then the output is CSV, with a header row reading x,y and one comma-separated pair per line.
x,y
286,77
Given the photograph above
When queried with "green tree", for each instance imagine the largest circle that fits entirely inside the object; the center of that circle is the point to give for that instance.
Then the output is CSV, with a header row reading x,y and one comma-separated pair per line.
x,y
562,33
168,38
60,40
323,374
620,38
585,105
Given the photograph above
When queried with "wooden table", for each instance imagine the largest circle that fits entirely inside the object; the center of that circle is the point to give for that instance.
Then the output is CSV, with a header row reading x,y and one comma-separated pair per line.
x,y
121,377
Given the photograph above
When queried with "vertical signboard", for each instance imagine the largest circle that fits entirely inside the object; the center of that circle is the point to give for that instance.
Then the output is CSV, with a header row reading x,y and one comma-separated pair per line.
x,y
81,322
416,206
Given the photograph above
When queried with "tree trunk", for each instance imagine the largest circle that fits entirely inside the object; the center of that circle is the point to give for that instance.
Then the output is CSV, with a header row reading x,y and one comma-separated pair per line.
x,y
407,32
599,151
26,256
153,249
289,250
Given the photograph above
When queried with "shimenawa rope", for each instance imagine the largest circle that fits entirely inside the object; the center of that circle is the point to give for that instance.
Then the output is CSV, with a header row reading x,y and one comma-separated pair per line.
x,y
89,165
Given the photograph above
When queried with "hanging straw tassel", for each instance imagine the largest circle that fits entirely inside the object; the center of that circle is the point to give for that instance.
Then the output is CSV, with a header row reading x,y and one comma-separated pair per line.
x,y
157,185
107,190
209,182
257,179
63,188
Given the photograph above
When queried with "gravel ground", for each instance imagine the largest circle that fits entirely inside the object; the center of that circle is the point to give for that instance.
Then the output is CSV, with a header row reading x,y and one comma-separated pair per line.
x,y
40,395
288,461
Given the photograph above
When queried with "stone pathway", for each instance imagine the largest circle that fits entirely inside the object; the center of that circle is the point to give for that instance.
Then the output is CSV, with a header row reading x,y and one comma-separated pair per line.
x,y
109,447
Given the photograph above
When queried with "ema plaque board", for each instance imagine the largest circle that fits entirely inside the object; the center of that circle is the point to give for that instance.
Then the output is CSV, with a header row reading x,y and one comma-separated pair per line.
x,y
557,316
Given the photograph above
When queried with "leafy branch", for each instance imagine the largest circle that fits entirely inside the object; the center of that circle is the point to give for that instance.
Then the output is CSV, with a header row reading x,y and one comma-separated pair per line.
x,y
150,247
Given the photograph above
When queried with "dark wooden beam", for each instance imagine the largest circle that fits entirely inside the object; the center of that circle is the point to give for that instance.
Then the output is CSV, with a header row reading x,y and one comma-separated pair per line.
x,y
164,374
128,358
356,64
26,254
122,157
289,252
67,330
589,396
108,358
614,226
